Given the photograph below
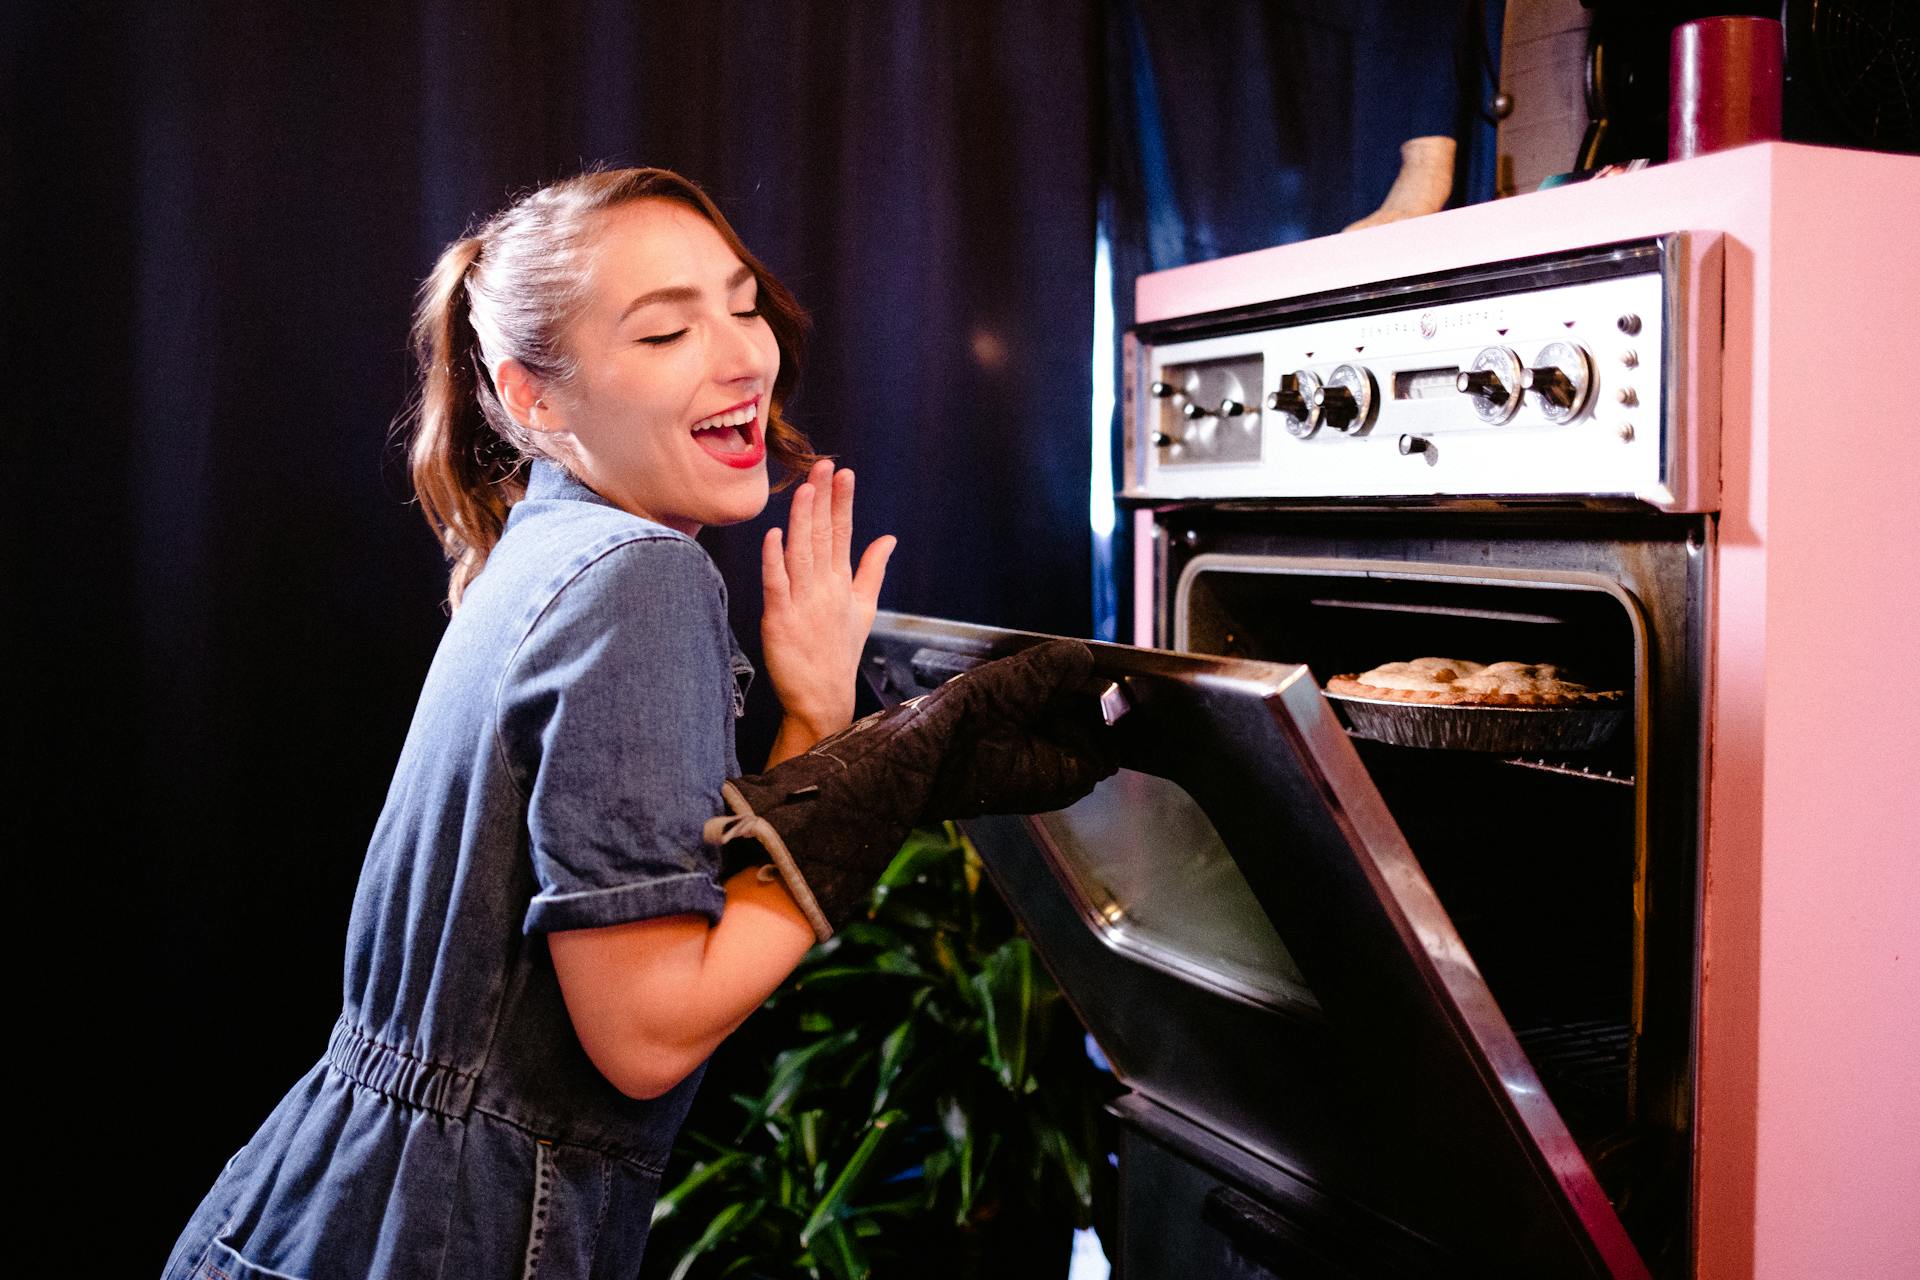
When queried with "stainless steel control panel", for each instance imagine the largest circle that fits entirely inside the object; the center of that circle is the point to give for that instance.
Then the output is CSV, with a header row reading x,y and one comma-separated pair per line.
x,y
1559,379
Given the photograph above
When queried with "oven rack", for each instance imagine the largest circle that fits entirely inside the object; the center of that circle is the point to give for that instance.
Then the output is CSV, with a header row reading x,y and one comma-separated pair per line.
x,y
1540,764
1567,770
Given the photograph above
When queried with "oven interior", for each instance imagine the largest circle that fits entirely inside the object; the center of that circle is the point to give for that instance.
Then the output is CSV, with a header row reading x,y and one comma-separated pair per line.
x,y
1535,857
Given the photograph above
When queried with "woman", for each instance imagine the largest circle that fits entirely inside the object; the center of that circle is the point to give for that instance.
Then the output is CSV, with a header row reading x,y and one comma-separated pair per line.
x,y
542,953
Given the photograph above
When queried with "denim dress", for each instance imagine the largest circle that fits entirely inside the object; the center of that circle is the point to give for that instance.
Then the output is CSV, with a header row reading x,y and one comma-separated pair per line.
x,y
569,743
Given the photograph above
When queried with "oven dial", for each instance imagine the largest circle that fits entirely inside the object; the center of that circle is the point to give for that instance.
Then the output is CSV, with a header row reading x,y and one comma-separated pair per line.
x,y
1494,384
1346,402
1294,402
1561,377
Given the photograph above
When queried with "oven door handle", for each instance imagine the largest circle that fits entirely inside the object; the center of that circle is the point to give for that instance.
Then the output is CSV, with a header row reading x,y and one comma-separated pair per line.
x,y
934,667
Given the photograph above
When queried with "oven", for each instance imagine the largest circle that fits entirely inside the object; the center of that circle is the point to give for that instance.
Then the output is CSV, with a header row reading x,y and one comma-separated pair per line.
x,y
1395,994
1388,1003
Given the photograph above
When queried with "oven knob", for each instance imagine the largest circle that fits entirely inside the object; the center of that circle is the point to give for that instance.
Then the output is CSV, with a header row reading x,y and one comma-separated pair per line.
x,y
1231,408
1161,440
1294,402
1346,402
1193,411
1561,377
1163,390
1494,384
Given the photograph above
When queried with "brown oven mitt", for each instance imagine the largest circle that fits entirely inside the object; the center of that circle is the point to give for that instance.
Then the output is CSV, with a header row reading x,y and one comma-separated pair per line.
x,y
1018,735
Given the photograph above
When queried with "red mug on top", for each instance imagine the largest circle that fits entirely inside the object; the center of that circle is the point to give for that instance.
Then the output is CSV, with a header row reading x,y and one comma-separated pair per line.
x,y
1724,82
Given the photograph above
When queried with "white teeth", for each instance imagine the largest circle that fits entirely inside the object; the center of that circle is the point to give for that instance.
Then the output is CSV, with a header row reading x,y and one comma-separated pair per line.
x,y
732,418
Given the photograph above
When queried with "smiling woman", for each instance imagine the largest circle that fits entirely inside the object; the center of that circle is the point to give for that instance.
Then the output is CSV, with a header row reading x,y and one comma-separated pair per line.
x,y
667,380
543,950
555,305
546,944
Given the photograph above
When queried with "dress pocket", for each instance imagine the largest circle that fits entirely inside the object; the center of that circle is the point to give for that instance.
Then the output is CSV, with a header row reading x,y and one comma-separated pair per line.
x,y
224,1262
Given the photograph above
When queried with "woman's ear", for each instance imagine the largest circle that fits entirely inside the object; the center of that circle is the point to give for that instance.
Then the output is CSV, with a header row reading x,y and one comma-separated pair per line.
x,y
525,398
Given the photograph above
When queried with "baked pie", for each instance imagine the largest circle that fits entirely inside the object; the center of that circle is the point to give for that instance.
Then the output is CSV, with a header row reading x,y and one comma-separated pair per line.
x,y
1457,682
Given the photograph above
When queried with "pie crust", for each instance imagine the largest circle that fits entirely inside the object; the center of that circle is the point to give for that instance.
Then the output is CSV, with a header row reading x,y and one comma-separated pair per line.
x,y
1457,682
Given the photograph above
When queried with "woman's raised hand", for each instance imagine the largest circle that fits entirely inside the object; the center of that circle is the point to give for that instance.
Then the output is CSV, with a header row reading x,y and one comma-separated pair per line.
x,y
818,610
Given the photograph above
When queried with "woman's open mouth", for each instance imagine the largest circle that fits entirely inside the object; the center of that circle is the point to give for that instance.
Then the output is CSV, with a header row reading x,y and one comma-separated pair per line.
x,y
733,435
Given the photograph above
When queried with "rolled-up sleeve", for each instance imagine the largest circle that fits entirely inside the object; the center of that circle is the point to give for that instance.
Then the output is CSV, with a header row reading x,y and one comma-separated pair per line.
x,y
614,716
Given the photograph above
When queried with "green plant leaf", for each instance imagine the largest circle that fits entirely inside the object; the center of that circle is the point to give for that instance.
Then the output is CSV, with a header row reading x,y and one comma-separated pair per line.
x,y
790,1072
1005,986
899,963
835,1253
728,1222
1066,1155
843,1186
702,1174
807,1129
892,964
947,960
895,1050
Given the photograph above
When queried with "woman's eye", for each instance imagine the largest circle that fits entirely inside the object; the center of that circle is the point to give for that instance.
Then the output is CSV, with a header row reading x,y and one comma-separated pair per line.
x,y
748,315
661,340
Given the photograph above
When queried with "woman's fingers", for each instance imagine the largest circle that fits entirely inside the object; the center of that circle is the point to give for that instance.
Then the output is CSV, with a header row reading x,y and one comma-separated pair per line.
x,y
773,568
843,522
800,535
823,486
873,569
818,610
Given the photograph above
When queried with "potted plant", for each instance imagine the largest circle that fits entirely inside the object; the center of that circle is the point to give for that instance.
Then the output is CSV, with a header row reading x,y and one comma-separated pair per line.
x,y
916,1096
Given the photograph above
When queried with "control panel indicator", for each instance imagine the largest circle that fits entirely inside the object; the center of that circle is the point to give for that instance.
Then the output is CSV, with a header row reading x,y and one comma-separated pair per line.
x,y
1346,402
1559,381
1426,384
1293,400
1493,381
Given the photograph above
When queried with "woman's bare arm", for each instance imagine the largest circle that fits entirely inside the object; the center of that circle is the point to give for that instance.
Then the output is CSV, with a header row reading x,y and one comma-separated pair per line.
x,y
651,1000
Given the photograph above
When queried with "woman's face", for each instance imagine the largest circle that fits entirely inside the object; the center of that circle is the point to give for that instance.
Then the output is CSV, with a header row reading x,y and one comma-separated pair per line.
x,y
676,365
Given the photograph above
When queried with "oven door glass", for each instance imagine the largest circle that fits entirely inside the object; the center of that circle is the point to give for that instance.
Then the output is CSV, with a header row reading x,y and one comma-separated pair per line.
x,y
1240,924
1148,871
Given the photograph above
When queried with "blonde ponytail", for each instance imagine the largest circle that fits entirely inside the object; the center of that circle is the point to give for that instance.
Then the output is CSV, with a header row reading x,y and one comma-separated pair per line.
x,y
465,476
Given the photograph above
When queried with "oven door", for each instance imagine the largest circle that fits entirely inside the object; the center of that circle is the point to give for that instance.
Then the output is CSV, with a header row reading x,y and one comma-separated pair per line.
x,y
1239,922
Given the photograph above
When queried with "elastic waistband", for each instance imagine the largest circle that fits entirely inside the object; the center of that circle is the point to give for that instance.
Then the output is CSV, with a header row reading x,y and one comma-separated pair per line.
x,y
431,1086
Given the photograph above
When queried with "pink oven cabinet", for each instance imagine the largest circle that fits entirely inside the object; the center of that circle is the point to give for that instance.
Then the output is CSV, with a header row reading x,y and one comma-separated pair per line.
x,y
1808,1102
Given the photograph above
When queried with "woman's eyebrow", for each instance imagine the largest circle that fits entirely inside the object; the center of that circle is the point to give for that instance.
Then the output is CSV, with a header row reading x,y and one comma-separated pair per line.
x,y
683,292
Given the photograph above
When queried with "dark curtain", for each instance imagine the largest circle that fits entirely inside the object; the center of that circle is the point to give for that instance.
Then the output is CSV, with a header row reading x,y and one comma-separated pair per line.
x,y
213,218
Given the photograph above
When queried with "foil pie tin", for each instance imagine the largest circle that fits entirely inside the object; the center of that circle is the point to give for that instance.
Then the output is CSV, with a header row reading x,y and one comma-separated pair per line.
x,y
1438,726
